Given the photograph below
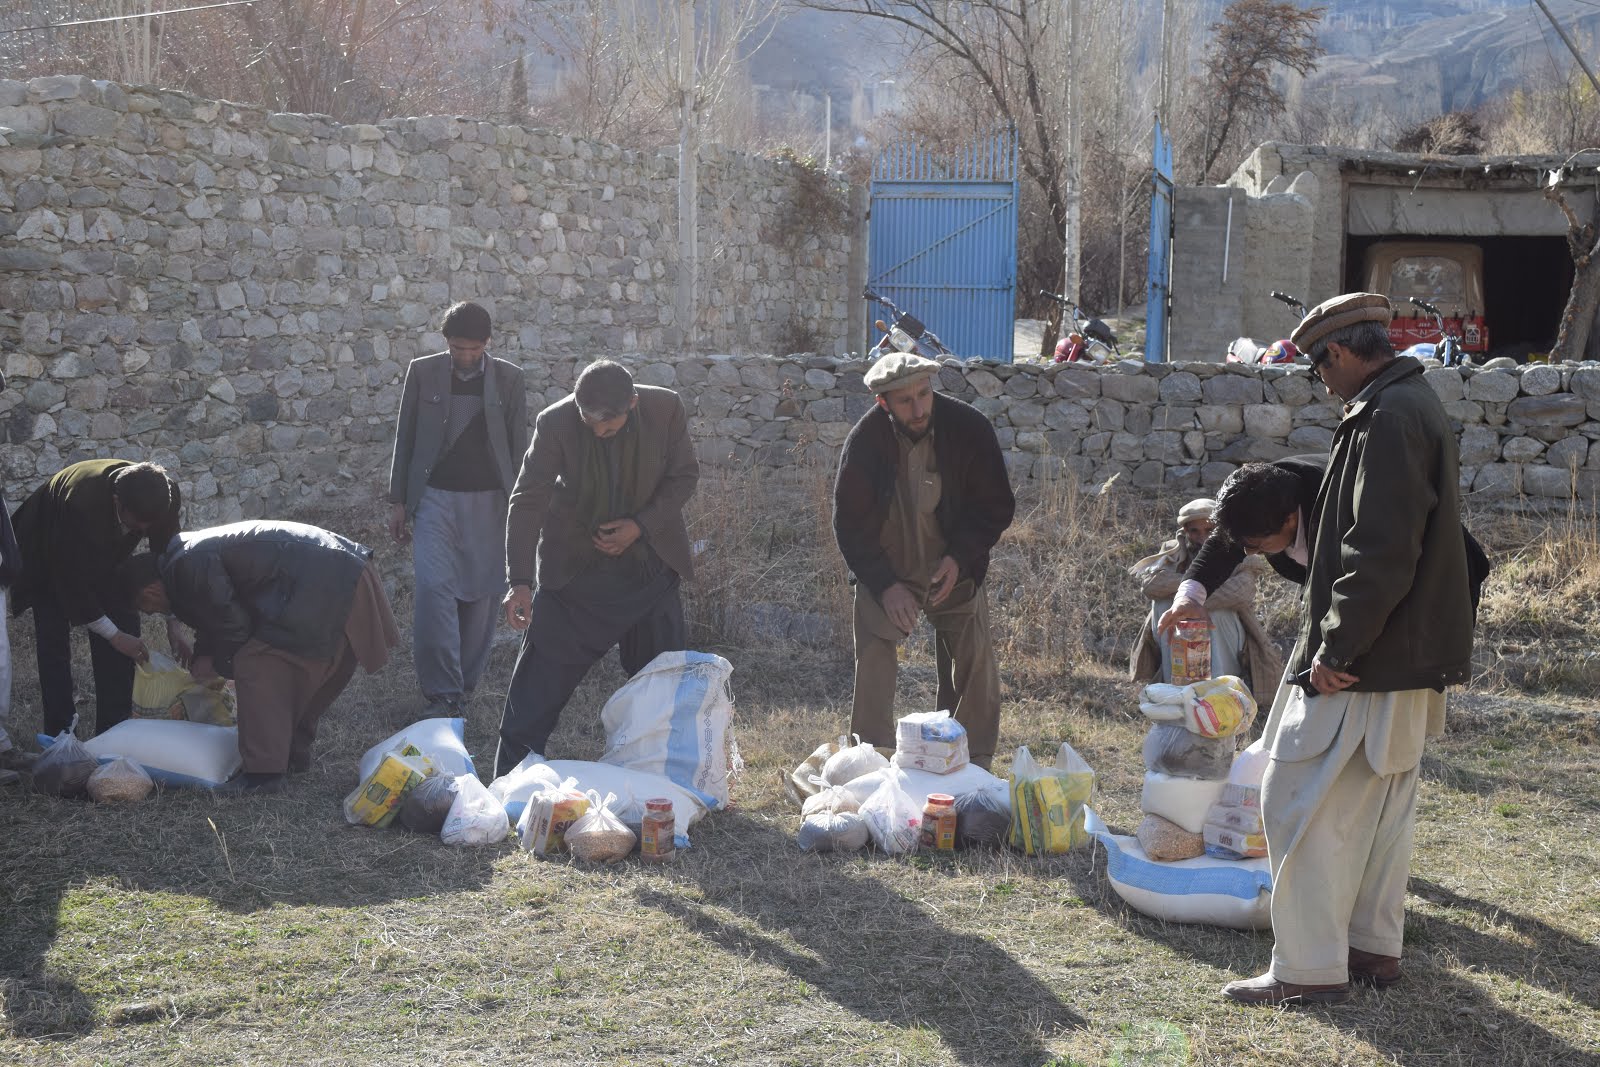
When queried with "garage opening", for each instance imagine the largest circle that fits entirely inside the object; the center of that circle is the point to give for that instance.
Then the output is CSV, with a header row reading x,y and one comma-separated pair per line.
x,y
1525,280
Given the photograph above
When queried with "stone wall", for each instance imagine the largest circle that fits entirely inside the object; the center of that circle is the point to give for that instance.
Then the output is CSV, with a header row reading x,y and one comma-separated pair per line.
x,y
177,272
1178,428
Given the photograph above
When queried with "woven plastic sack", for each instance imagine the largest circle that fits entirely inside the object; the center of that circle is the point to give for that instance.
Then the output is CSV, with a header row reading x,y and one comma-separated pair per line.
x,y
121,781
599,835
673,719
1048,803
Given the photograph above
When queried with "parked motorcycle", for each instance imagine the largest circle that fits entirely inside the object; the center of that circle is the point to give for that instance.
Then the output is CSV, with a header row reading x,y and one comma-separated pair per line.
x,y
1089,341
1246,350
907,334
1447,350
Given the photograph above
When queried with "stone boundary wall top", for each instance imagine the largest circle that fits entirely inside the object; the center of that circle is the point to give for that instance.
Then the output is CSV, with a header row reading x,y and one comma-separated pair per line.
x,y
1180,428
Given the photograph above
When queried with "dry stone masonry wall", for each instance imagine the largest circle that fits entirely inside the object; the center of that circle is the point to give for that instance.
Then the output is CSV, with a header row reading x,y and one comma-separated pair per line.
x,y
236,294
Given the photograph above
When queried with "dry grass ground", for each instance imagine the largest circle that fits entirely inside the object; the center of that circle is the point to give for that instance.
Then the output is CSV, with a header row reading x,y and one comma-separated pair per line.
x,y
192,930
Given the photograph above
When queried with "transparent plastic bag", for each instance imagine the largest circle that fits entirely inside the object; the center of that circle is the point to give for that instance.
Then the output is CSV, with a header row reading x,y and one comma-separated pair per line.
x,y
426,806
156,687
851,763
476,817
1048,803
833,831
893,819
599,835
550,813
983,818
121,781
64,768
1170,748
829,798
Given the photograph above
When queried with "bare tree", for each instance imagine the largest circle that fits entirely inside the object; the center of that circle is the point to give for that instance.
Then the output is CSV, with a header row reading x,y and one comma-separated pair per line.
x,y
1583,242
691,50
1251,41
597,89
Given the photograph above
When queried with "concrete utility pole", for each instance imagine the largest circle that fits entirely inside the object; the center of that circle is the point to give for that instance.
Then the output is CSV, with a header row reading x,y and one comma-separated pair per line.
x,y
688,178
1072,259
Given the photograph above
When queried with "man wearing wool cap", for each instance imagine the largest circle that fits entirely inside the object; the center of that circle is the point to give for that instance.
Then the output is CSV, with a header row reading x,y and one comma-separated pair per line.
x,y
1386,625
920,499
1239,646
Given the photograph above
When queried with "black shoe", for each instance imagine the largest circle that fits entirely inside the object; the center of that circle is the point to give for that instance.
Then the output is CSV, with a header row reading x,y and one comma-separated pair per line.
x,y
250,782
299,764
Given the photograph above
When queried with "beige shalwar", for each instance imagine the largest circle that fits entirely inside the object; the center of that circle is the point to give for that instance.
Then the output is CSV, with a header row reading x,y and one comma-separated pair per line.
x,y
969,681
1338,803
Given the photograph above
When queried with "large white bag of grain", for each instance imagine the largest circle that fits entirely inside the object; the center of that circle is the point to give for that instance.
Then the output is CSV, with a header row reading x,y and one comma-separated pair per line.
x,y
439,741
172,751
672,719
1184,801
1215,892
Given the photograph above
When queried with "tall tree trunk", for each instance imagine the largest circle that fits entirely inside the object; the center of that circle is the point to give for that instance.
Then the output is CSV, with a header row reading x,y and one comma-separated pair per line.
x,y
1583,241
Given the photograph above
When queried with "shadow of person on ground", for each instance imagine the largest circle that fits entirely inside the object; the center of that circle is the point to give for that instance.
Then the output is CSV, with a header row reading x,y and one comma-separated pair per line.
x,y
879,955
1435,1014
243,854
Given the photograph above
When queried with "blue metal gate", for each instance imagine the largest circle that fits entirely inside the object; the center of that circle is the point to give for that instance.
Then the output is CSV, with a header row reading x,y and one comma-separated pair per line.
x,y
943,241
1159,303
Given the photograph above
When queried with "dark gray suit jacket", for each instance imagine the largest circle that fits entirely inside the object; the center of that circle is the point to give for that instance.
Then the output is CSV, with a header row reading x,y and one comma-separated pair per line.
x,y
422,429
543,513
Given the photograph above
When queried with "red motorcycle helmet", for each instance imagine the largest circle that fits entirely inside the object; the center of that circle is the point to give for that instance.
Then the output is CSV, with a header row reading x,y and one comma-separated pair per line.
x,y
1283,351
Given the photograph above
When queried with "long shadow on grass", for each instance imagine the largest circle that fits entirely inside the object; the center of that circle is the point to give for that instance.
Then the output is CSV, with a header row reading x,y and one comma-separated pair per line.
x,y
863,946
157,873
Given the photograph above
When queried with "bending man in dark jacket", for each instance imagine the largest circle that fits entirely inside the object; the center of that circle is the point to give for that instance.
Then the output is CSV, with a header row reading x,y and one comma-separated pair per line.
x,y
920,499
1386,626
286,611
597,518
74,530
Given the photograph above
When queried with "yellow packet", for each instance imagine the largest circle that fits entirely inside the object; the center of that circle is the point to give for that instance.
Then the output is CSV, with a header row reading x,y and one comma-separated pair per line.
x,y
376,800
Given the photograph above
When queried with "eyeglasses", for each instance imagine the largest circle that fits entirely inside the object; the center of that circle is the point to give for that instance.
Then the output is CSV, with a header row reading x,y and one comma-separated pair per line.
x,y
1319,356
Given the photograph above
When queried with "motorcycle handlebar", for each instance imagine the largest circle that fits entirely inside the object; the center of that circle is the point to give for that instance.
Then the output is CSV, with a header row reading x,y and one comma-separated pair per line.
x,y
1425,306
1286,298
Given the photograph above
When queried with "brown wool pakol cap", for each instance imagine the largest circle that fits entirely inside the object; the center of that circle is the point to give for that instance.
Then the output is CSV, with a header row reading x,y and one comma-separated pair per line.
x,y
898,371
1336,314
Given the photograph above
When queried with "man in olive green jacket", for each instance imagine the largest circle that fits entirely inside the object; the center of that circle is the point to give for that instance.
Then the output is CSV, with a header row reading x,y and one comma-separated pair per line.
x,y
1387,625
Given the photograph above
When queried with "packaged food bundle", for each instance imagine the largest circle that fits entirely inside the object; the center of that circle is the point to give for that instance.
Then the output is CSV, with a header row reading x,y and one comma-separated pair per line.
x,y
831,798
928,726
377,799
1246,820
476,816
1184,801
1233,844
1216,707
1165,841
851,762
64,768
1048,803
939,757
1234,795
833,831
804,781
121,781
1190,646
599,836
893,819
1170,748
550,813
983,817
157,685
426,807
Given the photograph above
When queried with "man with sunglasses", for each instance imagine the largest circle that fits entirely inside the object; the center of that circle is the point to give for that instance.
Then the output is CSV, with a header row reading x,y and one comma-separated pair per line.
x,y
1386,625
596,518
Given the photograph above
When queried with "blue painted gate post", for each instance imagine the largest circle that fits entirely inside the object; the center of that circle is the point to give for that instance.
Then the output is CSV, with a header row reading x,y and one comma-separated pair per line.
x,y
1158,304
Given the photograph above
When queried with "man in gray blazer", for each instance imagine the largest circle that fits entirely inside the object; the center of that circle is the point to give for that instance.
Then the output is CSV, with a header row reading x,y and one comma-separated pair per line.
x,y
463,424
597,518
